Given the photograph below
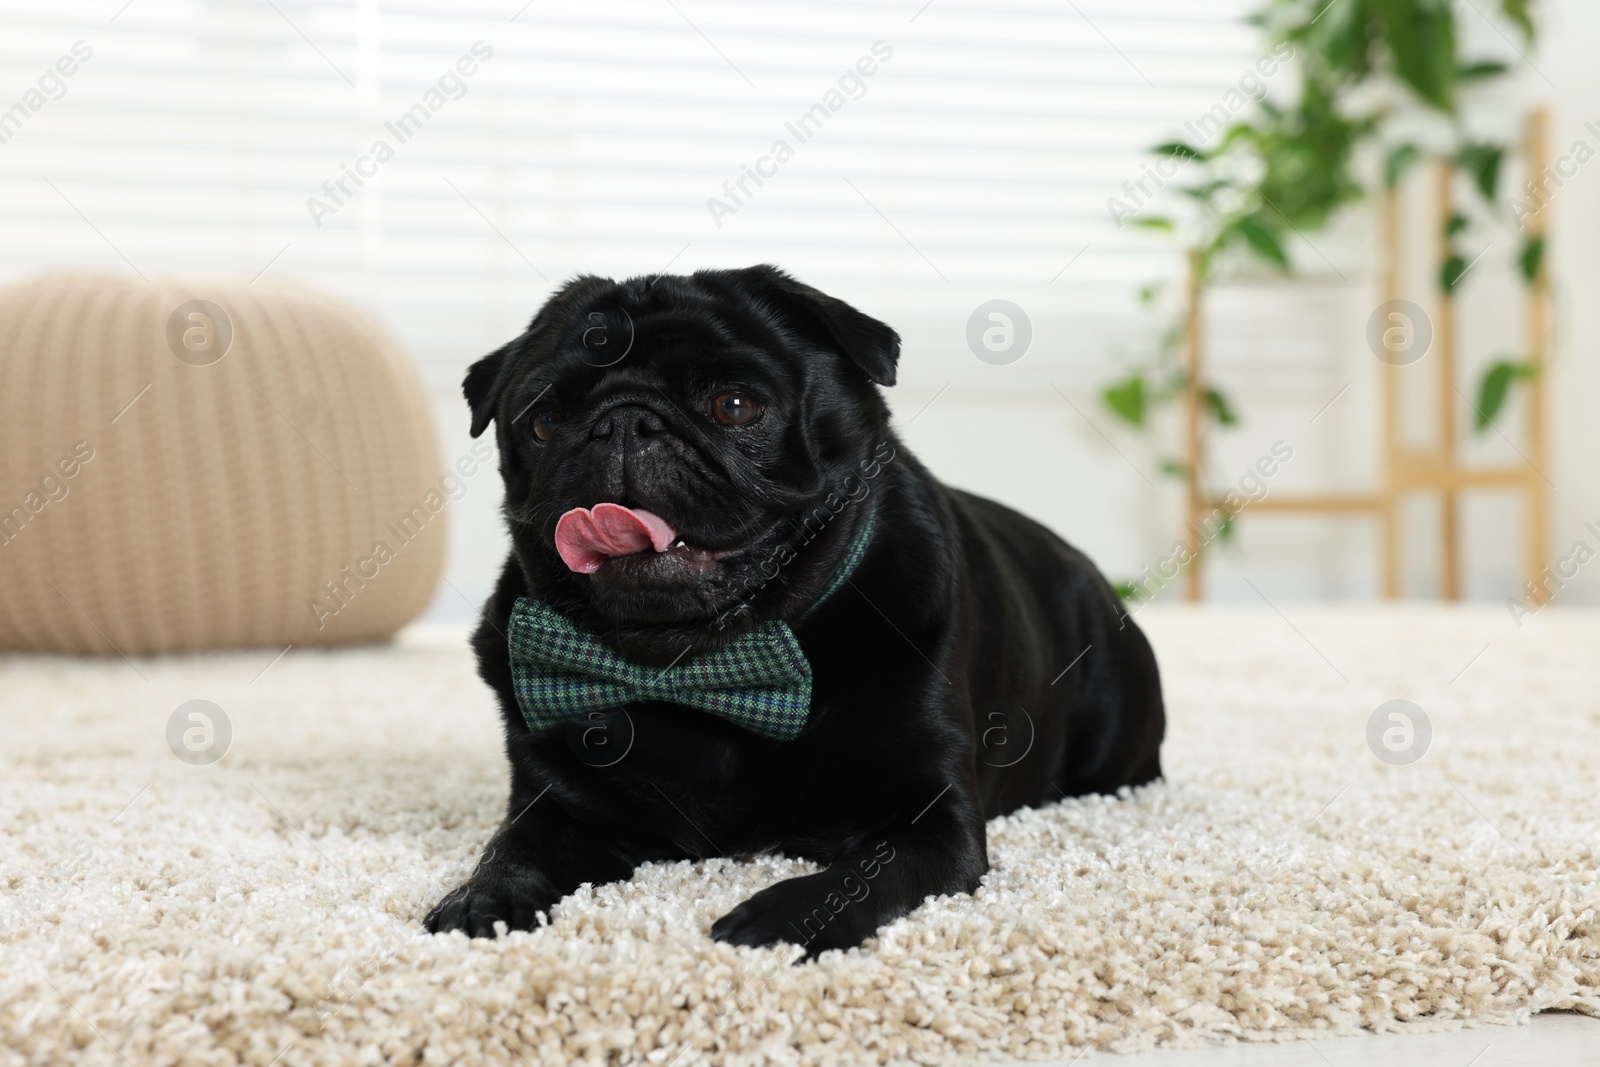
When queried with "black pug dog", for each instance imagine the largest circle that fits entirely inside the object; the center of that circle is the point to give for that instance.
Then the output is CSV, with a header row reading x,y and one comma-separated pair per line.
x,y
738,617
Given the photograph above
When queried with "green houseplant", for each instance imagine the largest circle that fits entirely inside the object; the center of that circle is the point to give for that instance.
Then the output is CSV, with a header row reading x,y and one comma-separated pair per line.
x,y
1287,169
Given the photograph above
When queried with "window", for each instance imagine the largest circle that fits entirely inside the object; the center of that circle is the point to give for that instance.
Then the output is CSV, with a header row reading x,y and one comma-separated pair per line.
x,y
939,154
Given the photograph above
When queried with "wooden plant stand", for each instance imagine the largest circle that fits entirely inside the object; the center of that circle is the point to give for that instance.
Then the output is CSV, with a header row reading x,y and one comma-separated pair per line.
x,y
1436,470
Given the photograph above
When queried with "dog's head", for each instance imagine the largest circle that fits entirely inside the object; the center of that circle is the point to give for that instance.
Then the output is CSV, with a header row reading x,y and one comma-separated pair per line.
x,y
730,419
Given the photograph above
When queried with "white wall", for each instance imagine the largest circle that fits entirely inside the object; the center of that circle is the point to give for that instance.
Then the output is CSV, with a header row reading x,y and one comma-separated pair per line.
x,y
1568,59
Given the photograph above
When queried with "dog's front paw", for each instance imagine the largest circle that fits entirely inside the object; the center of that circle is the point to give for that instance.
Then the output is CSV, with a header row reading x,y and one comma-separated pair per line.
x,y
513,897
813,911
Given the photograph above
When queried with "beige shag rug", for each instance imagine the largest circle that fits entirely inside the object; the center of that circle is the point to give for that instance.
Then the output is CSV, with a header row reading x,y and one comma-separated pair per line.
x,y
1282,882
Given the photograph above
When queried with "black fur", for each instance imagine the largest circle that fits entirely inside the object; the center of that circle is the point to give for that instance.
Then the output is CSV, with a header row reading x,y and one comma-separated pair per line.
x,y
939,697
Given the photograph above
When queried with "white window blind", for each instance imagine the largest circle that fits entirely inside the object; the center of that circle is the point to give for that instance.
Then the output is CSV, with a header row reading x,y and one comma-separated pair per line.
x,y
974,162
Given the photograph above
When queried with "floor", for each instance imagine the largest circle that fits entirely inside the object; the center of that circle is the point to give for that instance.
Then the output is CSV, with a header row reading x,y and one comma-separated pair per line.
x,y
225,859
1553,1039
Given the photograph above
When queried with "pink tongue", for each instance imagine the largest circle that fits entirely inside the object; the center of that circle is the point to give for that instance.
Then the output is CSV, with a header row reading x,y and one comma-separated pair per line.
x,y
586,538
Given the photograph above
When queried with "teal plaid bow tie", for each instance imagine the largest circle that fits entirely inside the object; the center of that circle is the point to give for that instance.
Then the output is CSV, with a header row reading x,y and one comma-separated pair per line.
x,y
761,681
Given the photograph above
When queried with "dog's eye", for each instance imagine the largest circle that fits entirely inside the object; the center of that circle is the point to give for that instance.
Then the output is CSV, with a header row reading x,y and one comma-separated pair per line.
x,y
544,423
735,409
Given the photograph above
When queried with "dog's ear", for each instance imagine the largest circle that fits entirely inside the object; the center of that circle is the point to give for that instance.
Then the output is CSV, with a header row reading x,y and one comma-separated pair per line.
x,y
871,345
487,378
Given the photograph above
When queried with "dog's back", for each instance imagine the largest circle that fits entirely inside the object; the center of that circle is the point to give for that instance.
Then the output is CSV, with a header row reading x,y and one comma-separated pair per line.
x,y
1062,667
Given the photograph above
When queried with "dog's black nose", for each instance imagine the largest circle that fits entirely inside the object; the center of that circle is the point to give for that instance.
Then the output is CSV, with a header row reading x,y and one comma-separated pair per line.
x,y
628,420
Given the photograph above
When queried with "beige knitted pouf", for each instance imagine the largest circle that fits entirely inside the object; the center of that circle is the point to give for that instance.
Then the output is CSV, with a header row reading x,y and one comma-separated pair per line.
x,y
208,465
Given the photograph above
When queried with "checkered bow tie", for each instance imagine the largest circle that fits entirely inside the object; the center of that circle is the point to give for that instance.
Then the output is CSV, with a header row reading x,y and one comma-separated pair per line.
x,y
761,681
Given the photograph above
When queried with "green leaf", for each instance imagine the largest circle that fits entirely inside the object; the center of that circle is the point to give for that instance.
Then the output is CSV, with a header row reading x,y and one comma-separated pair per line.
x,y
1179,151
1456,224
1225,531
1482,161
1239,131
1487,68
1174,468
1450,274
1532,259
1493,389
1155,222
1262,241
1221,410
1126,399
1422,41
1398,162
1126,590
1516,12
1340,35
